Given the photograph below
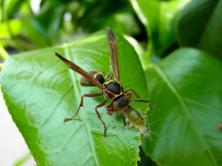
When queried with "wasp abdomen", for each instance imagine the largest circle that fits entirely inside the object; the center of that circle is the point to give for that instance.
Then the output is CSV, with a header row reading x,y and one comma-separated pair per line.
x,y
136,120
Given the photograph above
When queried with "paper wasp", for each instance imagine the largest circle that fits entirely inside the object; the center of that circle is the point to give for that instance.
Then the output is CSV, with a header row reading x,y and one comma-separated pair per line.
x,y
110,89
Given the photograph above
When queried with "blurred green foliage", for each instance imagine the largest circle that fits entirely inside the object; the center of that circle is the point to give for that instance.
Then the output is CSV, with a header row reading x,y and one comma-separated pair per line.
x,y
26,25
179,81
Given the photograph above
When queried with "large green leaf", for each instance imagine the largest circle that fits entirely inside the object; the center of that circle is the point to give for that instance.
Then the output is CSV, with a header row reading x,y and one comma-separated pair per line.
x,y
200,24
186,89
40,91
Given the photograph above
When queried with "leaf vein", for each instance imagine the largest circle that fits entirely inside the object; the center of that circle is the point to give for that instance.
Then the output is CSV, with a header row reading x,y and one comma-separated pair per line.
x,y
73,77
184,106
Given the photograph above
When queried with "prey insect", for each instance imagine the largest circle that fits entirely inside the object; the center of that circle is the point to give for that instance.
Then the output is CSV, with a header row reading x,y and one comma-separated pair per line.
x,y
110,89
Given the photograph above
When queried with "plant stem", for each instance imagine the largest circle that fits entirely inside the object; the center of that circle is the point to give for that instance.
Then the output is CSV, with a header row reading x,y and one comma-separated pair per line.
x,y
3,54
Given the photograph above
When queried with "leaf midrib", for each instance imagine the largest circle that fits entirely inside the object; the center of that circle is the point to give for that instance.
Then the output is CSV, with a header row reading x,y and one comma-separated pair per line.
x,y
73,77
164,77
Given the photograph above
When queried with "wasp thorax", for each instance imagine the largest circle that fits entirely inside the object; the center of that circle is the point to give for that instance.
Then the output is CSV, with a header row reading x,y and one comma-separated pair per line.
x,y
114,87
97,75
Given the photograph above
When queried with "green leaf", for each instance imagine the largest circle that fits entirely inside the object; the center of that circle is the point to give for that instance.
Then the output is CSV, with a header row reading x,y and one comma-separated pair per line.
x,y
40,91
186,89
118,15
12,7
49,19
200,24
159,19
21,34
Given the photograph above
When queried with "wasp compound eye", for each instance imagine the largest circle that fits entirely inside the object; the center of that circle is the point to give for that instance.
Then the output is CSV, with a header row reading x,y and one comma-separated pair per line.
x,y
97,75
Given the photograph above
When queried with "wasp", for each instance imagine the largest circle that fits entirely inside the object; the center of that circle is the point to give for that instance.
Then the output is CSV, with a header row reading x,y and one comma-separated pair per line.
x,y
110,88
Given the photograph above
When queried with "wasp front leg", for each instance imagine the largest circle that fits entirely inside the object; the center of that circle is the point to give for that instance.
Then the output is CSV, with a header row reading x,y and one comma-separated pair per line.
x,y
109,76
110,108
99,116
80,105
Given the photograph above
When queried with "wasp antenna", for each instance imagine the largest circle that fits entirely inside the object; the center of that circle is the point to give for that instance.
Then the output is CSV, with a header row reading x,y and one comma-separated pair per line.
x,y
69,63
60,56
141,100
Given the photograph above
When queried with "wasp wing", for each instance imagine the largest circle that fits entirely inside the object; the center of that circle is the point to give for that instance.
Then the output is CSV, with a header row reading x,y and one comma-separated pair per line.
x,y
80,71
114,54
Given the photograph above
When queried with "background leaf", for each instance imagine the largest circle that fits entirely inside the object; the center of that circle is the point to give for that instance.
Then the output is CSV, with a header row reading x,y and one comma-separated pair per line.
x,y
199,25
20,34
40,91
50,18
114,13
159,19
185,122
12,7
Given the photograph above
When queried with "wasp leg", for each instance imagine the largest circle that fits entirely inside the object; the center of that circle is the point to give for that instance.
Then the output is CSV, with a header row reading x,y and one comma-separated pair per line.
x,y
109,76
132,91
142,100
99,116
81,104
124,121
110,108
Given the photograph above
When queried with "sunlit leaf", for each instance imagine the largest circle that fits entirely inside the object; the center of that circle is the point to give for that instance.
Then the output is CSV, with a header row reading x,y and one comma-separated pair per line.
x,y
40,91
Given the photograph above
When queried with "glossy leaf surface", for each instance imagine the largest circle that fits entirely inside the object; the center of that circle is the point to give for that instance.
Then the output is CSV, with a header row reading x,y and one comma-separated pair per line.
x,y
186,89
40,91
